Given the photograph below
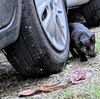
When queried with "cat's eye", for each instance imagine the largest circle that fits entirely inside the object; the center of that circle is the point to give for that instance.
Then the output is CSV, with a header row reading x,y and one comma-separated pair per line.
x,y
84,49
91,47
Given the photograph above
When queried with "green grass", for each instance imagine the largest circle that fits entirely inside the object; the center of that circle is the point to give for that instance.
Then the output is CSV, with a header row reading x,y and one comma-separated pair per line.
x,y
72,95
89,93
96,92
98,44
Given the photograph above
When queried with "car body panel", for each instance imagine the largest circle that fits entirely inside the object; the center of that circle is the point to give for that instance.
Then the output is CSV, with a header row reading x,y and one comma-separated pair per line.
x,y
71,3
9,21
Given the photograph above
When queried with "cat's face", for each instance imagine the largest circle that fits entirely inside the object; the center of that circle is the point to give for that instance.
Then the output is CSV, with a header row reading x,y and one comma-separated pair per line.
x,y
87,46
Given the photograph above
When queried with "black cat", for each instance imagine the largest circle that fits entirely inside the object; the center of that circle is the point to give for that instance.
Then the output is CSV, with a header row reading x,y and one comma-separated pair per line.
x,y
82,41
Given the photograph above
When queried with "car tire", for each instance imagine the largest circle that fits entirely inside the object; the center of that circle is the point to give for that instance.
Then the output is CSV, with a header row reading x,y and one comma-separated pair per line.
x,y
33,54
91,12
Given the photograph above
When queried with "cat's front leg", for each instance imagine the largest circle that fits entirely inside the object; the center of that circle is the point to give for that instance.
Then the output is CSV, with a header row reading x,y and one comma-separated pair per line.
x,y
83,58
74,54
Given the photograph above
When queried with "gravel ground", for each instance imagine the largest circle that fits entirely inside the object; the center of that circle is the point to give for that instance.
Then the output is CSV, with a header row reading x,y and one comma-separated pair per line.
x,y
11,82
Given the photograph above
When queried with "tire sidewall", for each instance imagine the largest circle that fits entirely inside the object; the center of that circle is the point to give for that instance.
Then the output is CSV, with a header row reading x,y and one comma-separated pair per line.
x,y
58,57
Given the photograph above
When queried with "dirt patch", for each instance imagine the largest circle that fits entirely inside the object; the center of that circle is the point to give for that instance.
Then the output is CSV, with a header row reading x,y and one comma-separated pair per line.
x,y
11,82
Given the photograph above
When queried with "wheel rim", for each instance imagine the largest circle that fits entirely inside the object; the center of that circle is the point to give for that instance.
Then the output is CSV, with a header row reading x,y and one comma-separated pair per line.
x,y
53,20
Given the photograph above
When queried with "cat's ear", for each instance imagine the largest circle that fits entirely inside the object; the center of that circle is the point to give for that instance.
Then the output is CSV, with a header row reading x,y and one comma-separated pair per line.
x,y
92,39
79,43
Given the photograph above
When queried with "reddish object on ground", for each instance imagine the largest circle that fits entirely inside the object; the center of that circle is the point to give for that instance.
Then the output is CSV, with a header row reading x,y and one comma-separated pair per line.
x,y
80,76
40,89
75,78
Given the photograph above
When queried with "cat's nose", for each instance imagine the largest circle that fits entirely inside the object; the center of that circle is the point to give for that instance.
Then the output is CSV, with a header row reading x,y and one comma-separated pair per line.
x,y
92,55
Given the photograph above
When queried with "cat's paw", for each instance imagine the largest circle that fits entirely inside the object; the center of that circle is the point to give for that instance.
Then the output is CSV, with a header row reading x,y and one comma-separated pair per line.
x,y
83,59
75,55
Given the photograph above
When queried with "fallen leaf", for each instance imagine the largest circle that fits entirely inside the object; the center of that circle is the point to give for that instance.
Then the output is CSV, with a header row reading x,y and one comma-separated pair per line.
x,y
79,76
76,77
40,89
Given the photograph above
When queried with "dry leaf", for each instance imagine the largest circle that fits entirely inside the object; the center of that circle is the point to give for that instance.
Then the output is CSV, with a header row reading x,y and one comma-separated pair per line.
x,y
76,77
80,76
40,89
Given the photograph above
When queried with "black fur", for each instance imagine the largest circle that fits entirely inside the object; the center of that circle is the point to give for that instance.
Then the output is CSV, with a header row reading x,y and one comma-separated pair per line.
x,y
82,41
